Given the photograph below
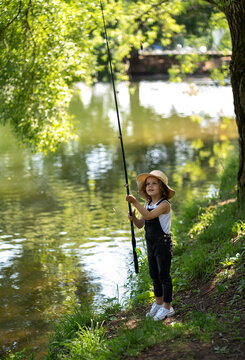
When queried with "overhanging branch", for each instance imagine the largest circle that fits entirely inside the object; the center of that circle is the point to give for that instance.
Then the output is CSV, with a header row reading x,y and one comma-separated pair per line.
x,y
11,21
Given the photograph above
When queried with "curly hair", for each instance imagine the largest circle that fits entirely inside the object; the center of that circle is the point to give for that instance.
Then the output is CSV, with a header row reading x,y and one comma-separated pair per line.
x,y
164,191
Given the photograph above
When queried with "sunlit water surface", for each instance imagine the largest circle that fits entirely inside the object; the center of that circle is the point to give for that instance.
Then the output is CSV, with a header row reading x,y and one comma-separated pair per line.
x,y
64,233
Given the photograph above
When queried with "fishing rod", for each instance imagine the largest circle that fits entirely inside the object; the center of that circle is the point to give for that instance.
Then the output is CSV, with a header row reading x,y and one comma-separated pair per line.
x,y
136,267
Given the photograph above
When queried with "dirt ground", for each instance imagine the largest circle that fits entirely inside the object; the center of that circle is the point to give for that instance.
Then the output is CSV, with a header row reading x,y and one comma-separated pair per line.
x,y
229,345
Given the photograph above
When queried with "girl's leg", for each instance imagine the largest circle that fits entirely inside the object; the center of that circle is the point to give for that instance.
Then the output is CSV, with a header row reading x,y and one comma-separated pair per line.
x,y
163,260
157,285
153,271
159,300
167,305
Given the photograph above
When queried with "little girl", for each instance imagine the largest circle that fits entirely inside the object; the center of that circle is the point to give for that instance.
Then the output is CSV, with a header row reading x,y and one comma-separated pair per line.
x,y
156,217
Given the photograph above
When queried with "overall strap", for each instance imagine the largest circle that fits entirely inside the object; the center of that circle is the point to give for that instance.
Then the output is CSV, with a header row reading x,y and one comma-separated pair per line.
x,y
158,202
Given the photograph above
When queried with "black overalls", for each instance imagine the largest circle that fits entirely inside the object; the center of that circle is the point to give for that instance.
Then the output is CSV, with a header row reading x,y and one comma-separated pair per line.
x,y
159,249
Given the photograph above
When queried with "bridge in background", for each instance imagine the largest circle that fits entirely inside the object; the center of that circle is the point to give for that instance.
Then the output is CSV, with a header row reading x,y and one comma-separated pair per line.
x,y
150,63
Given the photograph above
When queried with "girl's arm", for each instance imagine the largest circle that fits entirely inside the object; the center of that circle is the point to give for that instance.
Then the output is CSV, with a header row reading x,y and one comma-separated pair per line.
x,y
162,208
138,222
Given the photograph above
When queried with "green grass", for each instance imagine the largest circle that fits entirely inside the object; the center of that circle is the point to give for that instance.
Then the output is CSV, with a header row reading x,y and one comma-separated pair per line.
x,y
208,232
88,343
217,235
91,343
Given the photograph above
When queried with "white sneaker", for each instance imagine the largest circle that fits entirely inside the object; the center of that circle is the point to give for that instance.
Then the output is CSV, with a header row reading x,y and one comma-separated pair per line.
x,y
154,309
163,313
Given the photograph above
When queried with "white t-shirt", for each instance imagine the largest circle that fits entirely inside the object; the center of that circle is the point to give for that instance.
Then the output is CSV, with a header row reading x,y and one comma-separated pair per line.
x,y
164,219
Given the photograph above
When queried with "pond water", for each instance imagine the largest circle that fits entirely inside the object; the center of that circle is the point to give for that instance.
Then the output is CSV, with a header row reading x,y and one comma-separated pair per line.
x,y
64,232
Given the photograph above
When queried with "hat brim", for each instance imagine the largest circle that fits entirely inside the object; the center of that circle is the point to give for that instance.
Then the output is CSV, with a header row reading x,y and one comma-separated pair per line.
x,y
141,178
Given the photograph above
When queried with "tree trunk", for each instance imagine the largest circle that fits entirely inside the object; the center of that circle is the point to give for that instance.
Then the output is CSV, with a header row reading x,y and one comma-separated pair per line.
x,y
235,14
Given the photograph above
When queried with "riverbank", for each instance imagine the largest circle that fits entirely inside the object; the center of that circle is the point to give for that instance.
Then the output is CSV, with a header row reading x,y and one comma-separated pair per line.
x,y
208,278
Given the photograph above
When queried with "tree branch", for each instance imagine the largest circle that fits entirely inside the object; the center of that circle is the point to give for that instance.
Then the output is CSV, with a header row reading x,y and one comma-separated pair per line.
x,y
216,3
26,15
11,21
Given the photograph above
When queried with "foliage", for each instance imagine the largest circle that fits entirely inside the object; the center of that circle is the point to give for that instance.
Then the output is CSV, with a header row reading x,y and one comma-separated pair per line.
x,y
204,28
202,22
40,55
188,65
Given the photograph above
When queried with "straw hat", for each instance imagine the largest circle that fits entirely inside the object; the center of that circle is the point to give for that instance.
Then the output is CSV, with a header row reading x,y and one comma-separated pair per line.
x,y
141,178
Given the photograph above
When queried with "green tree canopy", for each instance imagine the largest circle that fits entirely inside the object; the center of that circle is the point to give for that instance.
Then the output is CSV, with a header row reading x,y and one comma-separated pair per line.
x,y
44,46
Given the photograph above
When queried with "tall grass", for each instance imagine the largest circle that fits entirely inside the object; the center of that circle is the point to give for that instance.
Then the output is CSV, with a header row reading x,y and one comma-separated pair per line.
x,y
87,344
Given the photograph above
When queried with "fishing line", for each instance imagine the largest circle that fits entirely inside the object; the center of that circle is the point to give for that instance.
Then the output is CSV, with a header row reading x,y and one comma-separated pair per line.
x,y
121,141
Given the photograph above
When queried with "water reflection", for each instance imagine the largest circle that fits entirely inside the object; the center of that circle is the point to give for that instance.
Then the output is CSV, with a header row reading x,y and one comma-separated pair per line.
x,y
186,99
64,233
